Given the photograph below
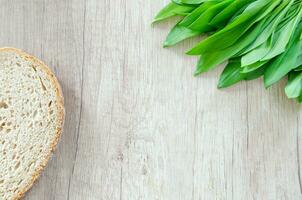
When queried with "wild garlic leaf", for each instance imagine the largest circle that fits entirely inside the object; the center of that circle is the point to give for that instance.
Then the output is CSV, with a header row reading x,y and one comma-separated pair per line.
x,y
294,87
257,38
281,40
202,23
220,40
270,25
178,34
209,60
220,19
181,31
286,62
231,74
256,55
298,69
171,10
193,2
253,67
189,19
255,74
231,33
282,65
177,2
298,62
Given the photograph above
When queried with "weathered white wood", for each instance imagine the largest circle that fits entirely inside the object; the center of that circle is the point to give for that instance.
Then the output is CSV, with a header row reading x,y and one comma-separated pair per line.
x,y
138,124
53,31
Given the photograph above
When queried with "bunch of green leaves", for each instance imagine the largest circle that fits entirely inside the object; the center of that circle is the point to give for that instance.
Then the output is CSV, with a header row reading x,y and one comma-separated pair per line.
x,y
256,37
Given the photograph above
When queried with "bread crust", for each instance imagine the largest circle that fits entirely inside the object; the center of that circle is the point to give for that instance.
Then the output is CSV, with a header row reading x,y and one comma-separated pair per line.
x,y
60,117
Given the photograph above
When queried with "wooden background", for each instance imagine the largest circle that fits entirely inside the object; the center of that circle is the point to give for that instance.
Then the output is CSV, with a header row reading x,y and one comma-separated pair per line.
x,y
138,124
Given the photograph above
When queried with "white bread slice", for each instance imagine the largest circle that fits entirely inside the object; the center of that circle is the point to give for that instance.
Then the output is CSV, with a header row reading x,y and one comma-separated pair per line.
x,y
31,120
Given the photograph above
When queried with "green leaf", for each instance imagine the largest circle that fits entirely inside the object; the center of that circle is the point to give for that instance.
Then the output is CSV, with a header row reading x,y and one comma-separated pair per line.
x,y
178,34
208,60
220,19
193,2
281,40
231,74
294,87
253,67
171,10
299,99
282,65
286,61
189,19
270,25
298,69
202,22
255,74
256,55
257,38
298,62
231,33
182,31
177,2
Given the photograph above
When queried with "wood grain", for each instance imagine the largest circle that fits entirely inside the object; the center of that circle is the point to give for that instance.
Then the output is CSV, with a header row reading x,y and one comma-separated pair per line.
x,y
138,124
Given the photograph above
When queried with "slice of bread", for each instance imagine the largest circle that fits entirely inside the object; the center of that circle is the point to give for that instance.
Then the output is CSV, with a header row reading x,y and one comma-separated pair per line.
x,y
31,120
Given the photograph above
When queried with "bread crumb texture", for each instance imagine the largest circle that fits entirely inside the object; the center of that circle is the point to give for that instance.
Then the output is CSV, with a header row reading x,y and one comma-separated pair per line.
x,y
28,121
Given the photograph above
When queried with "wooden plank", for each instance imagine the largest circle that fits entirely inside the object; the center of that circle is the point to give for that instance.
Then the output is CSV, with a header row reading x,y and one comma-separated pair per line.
x,y
52,31
138,124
